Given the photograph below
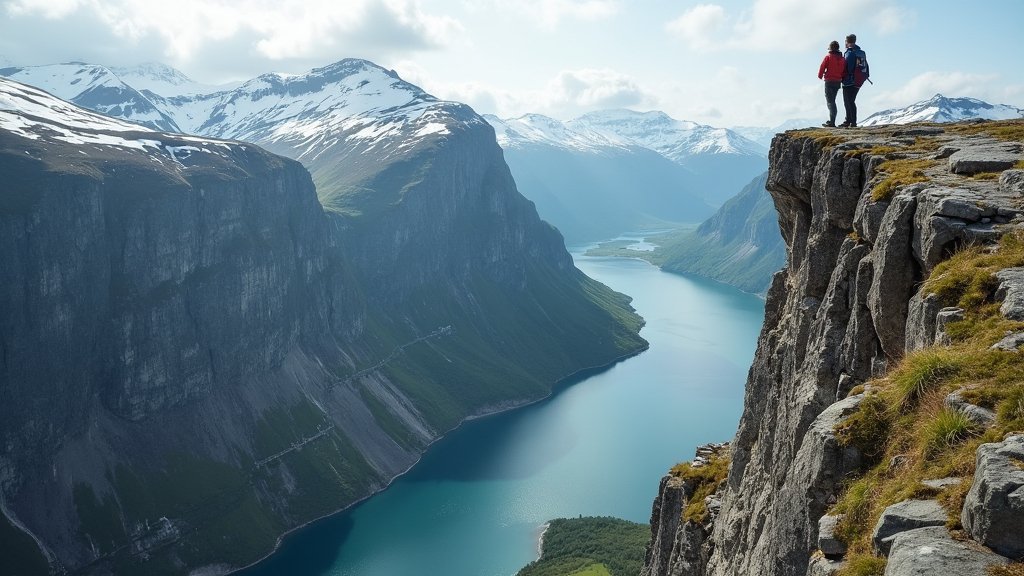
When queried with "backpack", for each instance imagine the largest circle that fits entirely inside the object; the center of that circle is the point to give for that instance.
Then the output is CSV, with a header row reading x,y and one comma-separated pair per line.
x,y
861,71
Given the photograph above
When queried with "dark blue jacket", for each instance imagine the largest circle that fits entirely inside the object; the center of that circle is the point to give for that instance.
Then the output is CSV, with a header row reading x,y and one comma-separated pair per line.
x,y
851,55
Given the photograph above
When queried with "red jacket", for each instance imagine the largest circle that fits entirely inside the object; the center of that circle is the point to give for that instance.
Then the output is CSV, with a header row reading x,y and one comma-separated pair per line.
x,y
832,67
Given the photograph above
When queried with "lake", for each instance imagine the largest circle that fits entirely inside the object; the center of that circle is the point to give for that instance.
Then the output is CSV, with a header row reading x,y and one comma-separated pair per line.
x,y
475,504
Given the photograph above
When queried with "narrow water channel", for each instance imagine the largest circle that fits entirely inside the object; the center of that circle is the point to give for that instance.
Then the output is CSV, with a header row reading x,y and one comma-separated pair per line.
x,y
474,504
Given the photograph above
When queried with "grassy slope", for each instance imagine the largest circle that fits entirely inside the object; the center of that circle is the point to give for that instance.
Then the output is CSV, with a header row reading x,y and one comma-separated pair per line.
x,y
591,546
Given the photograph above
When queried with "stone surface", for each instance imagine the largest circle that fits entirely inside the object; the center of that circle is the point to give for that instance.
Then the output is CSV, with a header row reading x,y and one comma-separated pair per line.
x,y
893,280
993,512
904,516
942,319
828,543
820,566
921,319
932,552
1011,343
981,416
940,483
1012,182
1011,292
991,157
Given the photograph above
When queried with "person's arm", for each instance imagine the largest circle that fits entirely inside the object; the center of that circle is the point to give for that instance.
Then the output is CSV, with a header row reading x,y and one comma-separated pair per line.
x,y
821,69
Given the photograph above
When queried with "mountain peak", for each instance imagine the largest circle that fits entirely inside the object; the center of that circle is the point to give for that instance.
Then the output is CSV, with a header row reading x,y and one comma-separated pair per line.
x,y
941,108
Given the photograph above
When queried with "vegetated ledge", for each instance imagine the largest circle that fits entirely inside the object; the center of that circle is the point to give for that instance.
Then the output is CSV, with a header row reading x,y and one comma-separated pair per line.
x,y
889,367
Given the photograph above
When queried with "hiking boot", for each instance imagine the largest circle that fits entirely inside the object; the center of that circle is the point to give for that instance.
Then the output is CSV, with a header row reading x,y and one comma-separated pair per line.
x,y
829,124
846,125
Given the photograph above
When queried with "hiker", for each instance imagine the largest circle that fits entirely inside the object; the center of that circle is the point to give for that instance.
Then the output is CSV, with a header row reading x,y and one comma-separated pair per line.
x,y
851,80
832,69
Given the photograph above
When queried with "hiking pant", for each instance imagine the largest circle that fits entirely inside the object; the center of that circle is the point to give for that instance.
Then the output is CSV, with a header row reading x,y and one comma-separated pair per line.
x,y
831,89
850,102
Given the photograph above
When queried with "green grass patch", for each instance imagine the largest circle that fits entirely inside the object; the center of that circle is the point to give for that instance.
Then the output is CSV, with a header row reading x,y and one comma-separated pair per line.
x,y
591,546
863,565
986,176
1009,130
898,173
867,428
919,373
1015,569
705,480
945,430
904,429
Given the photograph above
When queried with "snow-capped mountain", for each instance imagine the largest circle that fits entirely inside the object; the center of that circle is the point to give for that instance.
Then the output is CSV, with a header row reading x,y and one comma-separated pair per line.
x,y
674,139
96,88
33,114
326,118
165,81
938,108
532,129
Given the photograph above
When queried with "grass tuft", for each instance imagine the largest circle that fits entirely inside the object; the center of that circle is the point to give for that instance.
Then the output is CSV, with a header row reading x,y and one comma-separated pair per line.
x,y
898,173
921,372
863,565
945,430
705,480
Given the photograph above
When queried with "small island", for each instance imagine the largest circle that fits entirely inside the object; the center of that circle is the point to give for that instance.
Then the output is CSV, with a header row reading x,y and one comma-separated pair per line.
x,y
590,546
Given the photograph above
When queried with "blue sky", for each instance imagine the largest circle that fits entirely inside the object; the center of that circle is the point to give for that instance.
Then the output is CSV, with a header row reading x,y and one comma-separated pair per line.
x,y
719,62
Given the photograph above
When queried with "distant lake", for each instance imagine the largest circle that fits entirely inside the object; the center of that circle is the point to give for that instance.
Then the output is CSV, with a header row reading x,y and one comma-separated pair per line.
x,y
474,505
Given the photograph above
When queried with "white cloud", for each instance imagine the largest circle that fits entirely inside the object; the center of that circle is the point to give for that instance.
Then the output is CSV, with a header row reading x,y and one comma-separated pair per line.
x,y
782,25
185,29
986,87
567,95
700,26
549,14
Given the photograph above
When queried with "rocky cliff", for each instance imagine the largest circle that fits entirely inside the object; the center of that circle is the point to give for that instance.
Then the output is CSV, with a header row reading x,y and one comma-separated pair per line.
x,y
870,218
196,357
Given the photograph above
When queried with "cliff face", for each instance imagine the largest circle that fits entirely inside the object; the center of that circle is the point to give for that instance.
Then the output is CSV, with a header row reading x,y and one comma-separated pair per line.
x,y
837,315
196,357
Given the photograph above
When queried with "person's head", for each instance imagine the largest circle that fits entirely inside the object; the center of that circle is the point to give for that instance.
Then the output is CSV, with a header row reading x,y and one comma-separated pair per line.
x,y
833,46
851,39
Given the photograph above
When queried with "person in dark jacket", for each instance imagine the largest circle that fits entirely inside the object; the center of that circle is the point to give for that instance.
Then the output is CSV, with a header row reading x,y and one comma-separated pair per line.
x,y
850,87
832,69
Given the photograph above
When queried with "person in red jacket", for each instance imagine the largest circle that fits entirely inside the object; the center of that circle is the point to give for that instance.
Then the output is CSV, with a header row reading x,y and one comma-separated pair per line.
x,y
832,69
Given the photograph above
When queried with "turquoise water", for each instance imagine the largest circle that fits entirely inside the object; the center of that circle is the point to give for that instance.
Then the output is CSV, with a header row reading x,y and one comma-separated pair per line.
x,y
475,503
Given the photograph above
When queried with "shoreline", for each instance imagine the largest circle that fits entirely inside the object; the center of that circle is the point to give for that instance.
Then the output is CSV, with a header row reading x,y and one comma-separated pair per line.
x,y
540,539
558,385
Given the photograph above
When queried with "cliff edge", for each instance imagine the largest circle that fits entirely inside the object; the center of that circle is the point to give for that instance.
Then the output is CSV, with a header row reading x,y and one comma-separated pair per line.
x,y
871,219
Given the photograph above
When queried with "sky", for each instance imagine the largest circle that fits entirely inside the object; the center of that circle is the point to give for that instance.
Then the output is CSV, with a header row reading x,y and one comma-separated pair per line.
x,y
719,62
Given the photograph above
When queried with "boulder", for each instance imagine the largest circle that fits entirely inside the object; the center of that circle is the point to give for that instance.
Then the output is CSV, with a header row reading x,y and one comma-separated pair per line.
x,y
829,545
994,157
921,315
932,552
903,516
1011,343
1011,292
943,319
981,416
993,512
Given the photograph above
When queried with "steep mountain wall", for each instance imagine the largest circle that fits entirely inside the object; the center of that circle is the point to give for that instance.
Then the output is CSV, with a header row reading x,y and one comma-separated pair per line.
x,y
838,315
196,356
739,245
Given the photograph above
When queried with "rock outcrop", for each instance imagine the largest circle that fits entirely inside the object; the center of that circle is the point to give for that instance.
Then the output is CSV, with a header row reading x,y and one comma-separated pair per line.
x,y
993,513
845,307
